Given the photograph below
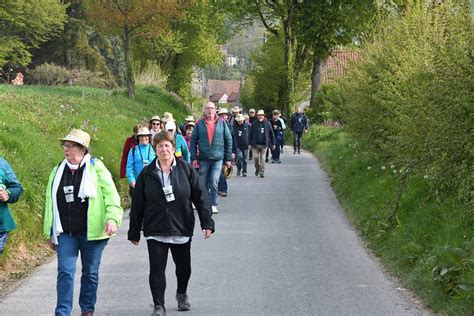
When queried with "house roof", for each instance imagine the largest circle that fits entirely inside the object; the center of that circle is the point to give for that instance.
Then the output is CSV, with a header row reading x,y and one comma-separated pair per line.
x,y
233,96
334,65
223,86
216,97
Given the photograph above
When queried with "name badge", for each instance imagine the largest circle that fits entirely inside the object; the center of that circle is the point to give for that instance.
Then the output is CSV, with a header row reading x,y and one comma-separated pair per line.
x,y
169,193
299,120
69,193
240,133
262,130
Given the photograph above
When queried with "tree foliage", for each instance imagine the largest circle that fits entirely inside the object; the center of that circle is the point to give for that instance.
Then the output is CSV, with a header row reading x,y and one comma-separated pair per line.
x,y
134,18
25,25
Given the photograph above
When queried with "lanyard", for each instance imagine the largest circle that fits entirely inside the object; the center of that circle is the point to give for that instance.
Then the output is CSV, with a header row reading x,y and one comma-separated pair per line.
x,y
141,156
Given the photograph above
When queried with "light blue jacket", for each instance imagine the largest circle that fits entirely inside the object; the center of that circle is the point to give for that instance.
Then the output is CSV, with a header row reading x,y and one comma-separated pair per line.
x,y
182,150
138,157
9,182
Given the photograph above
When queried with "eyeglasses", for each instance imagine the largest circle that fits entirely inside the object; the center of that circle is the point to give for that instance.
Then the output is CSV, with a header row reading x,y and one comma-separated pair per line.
x,y
155,123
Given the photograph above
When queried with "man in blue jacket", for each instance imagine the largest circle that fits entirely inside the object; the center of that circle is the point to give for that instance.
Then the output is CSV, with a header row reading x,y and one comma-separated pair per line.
x,y
10,191
212,139
299,124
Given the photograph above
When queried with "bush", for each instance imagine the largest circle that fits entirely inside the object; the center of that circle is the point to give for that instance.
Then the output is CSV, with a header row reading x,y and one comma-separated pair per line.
x,y
151,74
53,75
49,75
409,97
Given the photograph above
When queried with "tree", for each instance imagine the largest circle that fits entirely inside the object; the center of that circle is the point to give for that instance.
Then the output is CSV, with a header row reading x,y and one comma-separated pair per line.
x,y
134,18
25,25
324,25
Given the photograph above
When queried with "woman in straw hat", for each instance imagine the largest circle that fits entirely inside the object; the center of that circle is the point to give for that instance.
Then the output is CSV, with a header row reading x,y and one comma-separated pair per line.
x,y
139,157
82,212
162,208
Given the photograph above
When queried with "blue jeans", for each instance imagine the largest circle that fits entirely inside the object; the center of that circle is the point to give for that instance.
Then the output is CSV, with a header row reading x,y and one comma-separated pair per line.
x,y
3,240
91,253
210,171
222,183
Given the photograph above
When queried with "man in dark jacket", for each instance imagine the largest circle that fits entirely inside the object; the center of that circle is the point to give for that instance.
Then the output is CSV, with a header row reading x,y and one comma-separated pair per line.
x,y
261,136
241,144
299,124
212,137
252,118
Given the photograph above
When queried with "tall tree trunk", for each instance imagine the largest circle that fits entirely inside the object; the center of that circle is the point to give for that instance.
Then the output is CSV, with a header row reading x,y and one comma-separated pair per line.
x,y
289,65
315,79
127,47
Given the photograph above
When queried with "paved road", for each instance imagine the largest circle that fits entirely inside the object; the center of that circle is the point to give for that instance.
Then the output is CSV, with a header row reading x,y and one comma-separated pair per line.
x,y
282,247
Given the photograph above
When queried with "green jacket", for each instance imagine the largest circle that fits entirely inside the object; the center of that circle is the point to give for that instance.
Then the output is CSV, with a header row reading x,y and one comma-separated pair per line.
x,y
104,207
9,182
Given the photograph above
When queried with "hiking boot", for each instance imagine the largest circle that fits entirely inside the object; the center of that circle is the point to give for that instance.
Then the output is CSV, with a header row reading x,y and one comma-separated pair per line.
x,y
256,172
215,210
219,193
266,160
273,161
244,174
278,161
262,176
183,302
299,152
238,173
294,152
159,311
223,194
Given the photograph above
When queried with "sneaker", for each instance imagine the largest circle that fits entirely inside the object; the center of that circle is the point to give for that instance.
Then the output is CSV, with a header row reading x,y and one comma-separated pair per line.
x,y
262,176
223,194
278,161
215,210
273,161
256,172
183,302
244,174
159,311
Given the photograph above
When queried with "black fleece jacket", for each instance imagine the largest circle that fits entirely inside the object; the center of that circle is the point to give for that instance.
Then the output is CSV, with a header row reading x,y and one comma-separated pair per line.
x,y
156,216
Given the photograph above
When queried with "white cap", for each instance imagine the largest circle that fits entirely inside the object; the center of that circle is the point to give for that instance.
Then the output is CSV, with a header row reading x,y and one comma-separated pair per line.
x,y
170,126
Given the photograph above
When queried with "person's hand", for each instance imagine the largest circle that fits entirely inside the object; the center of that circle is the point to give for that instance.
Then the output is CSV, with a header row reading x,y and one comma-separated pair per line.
x,y
110,228
132,184
273,147
233,156
4,196
134,242
228,164
207,233
305,130
194,163
250,146
51,245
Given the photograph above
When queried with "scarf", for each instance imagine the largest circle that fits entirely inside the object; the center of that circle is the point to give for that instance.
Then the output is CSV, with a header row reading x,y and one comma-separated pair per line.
x,y
86,189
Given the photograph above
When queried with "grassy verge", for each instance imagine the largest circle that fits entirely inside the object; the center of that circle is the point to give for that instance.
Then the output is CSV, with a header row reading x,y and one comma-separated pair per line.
x,y
32,120
427,243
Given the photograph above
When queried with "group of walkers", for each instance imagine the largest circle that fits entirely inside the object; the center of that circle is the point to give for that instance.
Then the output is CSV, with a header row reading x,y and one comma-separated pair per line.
x,y
171,172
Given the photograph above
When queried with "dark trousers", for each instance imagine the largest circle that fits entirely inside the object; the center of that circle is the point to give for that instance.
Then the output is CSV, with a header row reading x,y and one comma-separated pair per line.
x,y
297,140
279,140
158,256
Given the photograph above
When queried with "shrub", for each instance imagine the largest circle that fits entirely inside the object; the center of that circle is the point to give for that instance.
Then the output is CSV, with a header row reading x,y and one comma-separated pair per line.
x,y
151,74
49,75
53,75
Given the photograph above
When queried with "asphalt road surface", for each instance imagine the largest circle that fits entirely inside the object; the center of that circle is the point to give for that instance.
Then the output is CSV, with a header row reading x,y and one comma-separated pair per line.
x,y
282,247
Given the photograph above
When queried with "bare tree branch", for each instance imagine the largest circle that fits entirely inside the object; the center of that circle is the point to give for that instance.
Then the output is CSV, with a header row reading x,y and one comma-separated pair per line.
x,y
262,18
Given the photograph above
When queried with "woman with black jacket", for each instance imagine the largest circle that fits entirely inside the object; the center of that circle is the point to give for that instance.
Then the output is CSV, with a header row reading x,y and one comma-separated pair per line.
x,y
162,206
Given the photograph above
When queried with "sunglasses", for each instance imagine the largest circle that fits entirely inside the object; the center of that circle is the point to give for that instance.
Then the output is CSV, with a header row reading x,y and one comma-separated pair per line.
x,y
155,123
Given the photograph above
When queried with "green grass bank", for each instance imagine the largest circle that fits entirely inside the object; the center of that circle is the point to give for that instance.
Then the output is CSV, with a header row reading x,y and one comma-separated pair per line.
x,y
428,243
32,120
